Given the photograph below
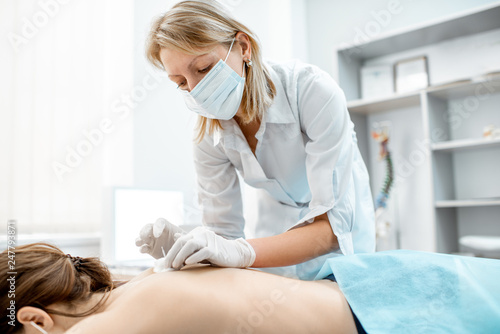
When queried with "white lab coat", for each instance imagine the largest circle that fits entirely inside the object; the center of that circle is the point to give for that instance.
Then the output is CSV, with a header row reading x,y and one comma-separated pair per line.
x,y
306,160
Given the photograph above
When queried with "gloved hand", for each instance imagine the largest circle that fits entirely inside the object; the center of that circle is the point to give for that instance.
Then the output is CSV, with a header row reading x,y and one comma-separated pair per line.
x,y
154,236
202,244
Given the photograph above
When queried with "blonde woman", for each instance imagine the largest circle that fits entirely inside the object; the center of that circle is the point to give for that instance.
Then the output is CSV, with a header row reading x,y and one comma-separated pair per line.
x,y
282,128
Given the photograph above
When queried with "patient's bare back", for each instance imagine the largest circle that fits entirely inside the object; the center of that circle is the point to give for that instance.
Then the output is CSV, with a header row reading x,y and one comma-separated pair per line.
x,y
223,300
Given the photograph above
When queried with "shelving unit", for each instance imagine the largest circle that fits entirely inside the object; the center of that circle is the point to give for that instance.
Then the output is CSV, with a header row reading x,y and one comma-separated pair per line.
x,y
467,203
466,178
447,175
379,105
465,144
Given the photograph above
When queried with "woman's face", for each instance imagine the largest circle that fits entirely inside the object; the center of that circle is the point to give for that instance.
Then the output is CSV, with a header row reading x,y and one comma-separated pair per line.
x,y
187,70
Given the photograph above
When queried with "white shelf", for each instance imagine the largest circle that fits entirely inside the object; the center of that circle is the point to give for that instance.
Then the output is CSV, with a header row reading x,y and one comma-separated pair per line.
x,y
396,101
458,25
485,84
467,203
465,144
451,90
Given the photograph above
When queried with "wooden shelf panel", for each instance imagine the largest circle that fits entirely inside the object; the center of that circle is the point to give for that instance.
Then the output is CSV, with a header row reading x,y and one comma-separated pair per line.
x,y
465,144
467,203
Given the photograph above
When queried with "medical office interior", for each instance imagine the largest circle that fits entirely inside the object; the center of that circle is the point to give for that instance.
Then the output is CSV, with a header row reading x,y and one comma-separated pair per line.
x,y
95,142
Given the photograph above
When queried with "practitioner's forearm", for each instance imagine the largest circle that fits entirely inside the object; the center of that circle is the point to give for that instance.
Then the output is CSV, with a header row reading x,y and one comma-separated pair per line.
x,y
295,246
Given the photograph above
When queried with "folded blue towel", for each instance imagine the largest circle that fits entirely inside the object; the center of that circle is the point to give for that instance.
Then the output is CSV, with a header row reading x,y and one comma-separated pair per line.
x,y
404,291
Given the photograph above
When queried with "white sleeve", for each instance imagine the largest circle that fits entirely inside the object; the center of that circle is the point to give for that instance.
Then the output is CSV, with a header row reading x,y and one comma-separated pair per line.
x,y
329,150
219,193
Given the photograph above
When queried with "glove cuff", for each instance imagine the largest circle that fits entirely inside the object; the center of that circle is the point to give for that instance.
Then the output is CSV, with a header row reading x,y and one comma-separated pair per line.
x,y
248,255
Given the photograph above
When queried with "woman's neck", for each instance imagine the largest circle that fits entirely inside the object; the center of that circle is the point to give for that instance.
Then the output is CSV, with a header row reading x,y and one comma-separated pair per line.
x,y
94,299
66,322
249,130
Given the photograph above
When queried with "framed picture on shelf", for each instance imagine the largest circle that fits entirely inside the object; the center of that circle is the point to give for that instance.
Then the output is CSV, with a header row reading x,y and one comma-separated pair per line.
x,y
411,74
376,81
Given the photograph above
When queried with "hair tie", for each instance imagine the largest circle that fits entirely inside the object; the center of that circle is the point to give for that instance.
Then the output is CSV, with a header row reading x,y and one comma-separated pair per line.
x,y
76,260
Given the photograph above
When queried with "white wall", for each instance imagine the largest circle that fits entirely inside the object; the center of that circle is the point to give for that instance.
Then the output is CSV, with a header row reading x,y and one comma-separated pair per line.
x,y
162,124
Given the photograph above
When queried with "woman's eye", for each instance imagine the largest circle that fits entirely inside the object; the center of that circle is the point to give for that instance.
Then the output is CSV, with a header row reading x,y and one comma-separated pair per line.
x,y
205,70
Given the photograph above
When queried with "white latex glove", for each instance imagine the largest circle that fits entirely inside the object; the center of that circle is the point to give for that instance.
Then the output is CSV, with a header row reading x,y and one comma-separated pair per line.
x,y
153,237
159,266
202,244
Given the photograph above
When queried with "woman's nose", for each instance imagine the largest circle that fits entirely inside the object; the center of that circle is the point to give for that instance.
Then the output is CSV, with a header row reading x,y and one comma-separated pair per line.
x,y
191,83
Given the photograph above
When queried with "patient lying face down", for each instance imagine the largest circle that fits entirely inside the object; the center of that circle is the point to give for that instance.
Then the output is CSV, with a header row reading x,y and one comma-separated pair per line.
x,y
57,293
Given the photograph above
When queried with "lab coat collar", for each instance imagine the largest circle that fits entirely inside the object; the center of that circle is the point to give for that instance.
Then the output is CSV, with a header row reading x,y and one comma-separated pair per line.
x,y
227,132
279,112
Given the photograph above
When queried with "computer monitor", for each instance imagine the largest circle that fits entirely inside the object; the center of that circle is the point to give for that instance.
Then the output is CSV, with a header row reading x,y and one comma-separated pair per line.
x,y
132,209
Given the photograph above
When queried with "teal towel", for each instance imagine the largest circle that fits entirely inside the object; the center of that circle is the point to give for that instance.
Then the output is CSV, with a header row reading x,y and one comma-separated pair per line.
x,y
404,291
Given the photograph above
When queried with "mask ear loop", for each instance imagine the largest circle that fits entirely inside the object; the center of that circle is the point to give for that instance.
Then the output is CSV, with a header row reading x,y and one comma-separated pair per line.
x,y
38,327
227,56
230,48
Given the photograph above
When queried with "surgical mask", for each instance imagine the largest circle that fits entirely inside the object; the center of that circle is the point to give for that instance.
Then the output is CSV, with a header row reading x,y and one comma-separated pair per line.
x,y
38,327
218,95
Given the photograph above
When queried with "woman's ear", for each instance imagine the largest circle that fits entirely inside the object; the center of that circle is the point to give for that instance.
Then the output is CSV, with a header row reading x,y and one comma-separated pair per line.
x,y
26,314
245,45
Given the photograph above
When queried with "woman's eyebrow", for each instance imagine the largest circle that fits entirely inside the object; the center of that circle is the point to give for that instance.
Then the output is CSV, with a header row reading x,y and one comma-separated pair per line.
x,y
196,58
189,65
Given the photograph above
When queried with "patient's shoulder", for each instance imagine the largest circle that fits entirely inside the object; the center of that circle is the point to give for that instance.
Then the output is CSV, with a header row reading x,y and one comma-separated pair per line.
x,y
100,323
148,305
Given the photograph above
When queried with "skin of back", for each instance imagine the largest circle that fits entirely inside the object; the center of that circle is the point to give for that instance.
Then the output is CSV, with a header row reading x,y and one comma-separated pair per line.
x,y
222,300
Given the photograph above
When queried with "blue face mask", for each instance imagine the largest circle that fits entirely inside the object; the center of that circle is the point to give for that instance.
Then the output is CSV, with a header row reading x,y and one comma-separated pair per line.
x,y
218,95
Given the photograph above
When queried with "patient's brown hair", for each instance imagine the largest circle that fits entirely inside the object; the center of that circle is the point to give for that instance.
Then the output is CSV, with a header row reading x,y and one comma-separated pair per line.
x,y
46,276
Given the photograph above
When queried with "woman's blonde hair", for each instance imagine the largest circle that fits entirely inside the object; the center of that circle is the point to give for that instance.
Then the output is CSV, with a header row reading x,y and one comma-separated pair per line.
x,y
194,26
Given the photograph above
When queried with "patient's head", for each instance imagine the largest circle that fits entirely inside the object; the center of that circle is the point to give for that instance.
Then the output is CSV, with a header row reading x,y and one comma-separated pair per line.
x,y
48,286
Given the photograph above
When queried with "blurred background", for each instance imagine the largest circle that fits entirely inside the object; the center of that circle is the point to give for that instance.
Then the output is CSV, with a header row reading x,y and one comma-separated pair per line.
x,y
95,143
